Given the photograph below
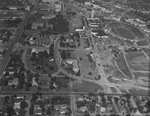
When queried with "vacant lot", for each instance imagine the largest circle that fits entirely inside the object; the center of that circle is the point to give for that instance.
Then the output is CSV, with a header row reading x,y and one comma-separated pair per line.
x,y
86,87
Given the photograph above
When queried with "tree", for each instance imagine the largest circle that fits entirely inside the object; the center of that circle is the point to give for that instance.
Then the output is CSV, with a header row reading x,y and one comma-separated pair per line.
x,y
69,111
10,111
22,68
92,107
23,105
51,67
34,97
128,95
37,75
91,94
31,110
86,113
7,73
38,68
22,112
98,114
39,88
80,104
28,71
116,99
46,55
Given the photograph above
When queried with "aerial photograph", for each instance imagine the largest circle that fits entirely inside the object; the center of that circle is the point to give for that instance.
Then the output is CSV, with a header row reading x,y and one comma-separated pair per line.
x,y
74,57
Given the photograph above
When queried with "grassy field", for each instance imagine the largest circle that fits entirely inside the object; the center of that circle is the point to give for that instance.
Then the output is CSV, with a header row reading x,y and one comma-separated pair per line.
x,y
125,33
86,87
118,74
115,40
86,66
143,42
146,51
128,42
123,66
138,75
137,61
139,92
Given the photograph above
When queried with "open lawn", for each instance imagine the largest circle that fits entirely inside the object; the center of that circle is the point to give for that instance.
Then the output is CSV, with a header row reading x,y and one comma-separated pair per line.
x,y
76,22
86,87
87,67
139,92
118,74
146,51
121,63
143,42
115,40
137,61
139,75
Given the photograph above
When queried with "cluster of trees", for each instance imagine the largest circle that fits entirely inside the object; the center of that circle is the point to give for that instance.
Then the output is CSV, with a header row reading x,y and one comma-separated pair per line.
x,y
59,82
39,59
60,25
91,105
14,22
8,103
75,37
65,54
51,54
59,100
19,69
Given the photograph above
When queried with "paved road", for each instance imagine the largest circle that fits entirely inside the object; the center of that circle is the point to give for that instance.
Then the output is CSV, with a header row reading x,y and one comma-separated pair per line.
x,y
16,39
50,92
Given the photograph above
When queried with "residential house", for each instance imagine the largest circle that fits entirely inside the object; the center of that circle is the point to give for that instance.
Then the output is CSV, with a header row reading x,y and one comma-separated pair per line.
x,y
34,83
14,81
74,62
58,7
14,8
144,28
37,109
37,23
61,108
48,16
96,6
87,3
36,50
